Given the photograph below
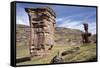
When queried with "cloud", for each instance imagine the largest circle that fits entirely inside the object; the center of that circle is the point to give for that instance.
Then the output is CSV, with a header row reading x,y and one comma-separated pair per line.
x,y
62,18
20,21
92,27
68,22
71,24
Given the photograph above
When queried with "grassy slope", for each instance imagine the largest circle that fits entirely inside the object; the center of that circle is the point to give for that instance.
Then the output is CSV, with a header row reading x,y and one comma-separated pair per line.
x,y
86,53
46,59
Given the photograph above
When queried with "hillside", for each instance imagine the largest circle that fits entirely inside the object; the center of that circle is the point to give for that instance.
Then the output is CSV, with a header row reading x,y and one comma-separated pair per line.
x,y
62,35
67,35
65,38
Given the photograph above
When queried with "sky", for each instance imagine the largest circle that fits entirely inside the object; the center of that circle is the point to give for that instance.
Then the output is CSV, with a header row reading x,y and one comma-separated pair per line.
x,y
66,16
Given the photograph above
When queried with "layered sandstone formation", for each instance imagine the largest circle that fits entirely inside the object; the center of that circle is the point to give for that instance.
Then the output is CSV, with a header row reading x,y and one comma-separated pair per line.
x,y
42,21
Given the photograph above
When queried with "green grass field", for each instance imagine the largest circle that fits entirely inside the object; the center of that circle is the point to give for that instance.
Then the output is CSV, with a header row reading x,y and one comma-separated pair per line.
x,y
85,53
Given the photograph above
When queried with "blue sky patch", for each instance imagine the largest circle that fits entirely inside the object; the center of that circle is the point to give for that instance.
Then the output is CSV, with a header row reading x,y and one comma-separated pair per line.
x,y
66,16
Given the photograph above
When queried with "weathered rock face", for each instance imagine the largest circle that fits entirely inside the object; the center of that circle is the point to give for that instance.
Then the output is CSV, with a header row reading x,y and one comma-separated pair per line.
x,y
42,22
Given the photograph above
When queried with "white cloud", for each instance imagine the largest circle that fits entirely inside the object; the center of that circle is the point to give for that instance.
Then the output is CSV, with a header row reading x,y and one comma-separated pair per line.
x,y
74,24
19,21
80,15
92,27
22,18
62,19
71,24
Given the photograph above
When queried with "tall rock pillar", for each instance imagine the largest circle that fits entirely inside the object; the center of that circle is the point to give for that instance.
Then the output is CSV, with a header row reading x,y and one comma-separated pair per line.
x,y
42,21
